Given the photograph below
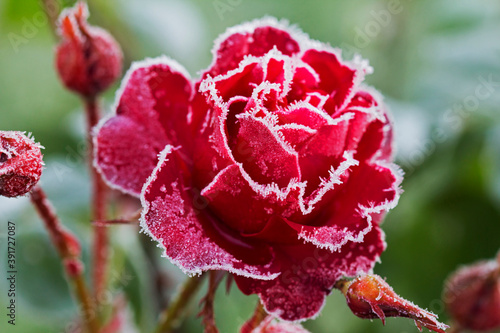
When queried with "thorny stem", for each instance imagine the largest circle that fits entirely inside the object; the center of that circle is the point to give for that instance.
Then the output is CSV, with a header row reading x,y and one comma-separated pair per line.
x,y
171,316
100,249
55,230
52,9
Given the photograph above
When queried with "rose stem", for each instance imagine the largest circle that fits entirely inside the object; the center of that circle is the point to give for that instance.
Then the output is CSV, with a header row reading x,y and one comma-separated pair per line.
x,y
54,228
100,245
51,9
170,317
258,317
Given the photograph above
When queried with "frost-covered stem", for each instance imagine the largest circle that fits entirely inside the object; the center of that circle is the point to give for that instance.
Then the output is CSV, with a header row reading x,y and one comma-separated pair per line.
x,y
51,9
100,249
258,317
55,230
171,316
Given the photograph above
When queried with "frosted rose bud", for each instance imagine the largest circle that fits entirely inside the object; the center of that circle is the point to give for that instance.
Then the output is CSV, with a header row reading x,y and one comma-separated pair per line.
x,y
20,163
369,296
88,58
472,296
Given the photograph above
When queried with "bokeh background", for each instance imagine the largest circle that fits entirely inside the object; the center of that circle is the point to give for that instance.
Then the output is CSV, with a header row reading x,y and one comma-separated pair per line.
x,y
437,62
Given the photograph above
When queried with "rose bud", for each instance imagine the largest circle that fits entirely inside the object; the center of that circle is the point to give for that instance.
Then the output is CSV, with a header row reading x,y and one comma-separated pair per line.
x,y
20,163
472,296
369,296
88,59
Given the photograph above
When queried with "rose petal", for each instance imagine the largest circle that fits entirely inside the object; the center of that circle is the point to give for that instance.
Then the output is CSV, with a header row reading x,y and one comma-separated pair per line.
x,y
152,111
190,237
265,156
238,205
254,38
308,275
370,191
336,79
370,130
127,153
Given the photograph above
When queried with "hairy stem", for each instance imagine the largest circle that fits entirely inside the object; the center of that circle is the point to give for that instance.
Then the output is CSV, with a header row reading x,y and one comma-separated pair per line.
x,y
171,316
100,249
60,241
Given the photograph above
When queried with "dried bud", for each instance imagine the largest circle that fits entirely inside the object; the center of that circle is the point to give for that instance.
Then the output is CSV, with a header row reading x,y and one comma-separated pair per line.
x,y
472,296
369,296
88,58
20,163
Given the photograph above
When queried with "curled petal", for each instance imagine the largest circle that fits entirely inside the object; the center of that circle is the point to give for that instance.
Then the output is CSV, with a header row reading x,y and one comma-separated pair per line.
x,y
254,38
180,223
336,79
151,112
264,154
370,191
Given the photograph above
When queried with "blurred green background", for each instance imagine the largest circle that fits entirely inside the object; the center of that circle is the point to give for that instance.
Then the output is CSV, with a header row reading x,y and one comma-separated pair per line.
x,y
437,62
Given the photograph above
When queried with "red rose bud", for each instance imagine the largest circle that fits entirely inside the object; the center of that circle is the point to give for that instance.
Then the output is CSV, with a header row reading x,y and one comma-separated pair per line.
x,y
369,296
472,296
20,163
88,58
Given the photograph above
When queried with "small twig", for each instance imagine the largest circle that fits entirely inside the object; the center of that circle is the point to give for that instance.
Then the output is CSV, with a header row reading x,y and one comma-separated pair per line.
x,y
60,241
171,315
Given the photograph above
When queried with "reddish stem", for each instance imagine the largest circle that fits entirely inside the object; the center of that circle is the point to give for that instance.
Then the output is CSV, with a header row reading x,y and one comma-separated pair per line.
x,y
57,235
100,252
258,317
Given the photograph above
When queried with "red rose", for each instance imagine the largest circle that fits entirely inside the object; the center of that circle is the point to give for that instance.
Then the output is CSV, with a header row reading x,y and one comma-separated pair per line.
x,y
275,165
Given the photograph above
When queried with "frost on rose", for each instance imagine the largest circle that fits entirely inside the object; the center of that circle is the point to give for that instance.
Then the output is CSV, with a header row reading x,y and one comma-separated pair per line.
x,y
21,163
275,165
